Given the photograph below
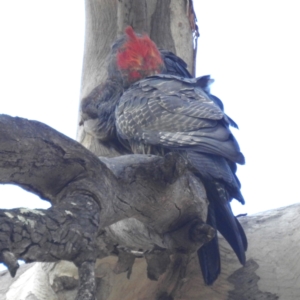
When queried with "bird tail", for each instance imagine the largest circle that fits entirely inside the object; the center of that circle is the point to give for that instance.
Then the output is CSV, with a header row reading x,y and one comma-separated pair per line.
x,y
209,254
220,216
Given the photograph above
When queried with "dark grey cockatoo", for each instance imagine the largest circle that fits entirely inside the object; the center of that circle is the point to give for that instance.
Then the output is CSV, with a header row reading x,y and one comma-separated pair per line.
x,y
150,104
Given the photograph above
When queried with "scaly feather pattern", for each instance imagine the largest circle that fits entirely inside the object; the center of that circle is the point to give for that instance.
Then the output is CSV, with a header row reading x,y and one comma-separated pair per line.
x,y
166,113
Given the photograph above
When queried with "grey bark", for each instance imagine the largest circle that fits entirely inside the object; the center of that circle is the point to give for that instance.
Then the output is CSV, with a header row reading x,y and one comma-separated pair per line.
x,y
271,272
87,195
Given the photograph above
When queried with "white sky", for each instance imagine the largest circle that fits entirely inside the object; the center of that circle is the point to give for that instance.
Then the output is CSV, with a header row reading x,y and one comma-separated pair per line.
x,y
251,48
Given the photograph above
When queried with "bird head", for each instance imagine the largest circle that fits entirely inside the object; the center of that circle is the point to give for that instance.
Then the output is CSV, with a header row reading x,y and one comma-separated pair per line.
x,y
138,57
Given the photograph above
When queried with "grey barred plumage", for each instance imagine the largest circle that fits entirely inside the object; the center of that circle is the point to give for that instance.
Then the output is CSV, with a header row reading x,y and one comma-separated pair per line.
x,y
163,113
158,111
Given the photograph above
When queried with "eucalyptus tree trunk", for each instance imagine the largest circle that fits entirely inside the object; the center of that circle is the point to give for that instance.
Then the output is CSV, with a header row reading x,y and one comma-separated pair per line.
x,y
82,225
170,24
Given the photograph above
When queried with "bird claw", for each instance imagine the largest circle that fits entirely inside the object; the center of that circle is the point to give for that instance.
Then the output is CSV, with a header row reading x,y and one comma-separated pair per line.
x,y
201,232
189,237
174,166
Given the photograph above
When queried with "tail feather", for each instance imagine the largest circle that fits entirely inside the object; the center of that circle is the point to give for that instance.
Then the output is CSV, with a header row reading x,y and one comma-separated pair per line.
x,y
208,254
242,233
220,217
227,223
209,258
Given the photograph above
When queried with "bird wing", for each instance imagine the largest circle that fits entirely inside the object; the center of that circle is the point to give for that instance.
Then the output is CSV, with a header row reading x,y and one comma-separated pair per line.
x,y
174,65
175,113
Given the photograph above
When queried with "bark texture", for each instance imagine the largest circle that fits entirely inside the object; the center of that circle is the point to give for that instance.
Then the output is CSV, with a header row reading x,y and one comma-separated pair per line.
x,y
164,205
271,272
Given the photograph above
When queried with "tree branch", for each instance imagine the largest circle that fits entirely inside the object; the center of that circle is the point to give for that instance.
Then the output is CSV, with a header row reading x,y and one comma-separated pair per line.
x,y
89,194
